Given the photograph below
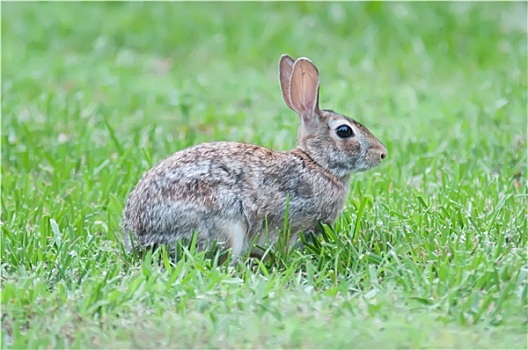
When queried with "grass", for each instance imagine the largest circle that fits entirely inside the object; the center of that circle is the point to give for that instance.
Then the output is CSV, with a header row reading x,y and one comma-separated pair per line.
x,y
430,251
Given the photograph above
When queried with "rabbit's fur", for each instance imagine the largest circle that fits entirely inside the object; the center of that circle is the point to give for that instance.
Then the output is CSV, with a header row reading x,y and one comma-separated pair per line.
x,y
236,194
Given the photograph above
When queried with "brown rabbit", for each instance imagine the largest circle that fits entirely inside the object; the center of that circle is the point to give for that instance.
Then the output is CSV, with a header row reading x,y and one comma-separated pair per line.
x,y
236,193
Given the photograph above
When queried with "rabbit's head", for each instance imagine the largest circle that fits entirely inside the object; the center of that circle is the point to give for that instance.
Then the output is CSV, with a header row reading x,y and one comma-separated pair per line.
x,y
335,142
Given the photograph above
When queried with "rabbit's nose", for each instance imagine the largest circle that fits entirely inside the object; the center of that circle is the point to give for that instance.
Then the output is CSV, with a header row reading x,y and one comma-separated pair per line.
x,y
382,152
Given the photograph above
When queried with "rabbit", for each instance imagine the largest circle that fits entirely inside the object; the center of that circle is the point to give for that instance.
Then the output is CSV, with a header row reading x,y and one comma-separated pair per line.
x,y
237,194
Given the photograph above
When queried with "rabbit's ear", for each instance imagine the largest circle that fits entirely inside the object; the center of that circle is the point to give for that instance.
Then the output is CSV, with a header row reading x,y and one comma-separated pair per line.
x,y
304,90
285,74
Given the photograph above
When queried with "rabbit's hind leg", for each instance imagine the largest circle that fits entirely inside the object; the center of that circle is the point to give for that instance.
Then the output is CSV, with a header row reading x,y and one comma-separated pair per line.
x,y
233,234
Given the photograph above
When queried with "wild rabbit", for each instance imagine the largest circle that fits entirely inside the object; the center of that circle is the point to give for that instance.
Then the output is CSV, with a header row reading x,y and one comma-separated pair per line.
x,y
236,194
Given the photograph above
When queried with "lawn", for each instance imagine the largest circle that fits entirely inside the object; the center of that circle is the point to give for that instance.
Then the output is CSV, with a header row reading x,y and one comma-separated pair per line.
x,y
430,251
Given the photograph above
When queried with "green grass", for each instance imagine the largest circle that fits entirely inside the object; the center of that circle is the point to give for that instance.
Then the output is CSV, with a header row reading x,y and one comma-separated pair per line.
x,y
430,251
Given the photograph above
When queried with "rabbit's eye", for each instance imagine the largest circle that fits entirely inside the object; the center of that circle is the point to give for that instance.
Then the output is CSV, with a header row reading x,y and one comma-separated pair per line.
x,y
344,131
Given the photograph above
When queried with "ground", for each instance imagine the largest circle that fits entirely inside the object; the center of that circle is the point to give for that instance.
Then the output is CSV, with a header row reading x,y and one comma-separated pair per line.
x,y
430,251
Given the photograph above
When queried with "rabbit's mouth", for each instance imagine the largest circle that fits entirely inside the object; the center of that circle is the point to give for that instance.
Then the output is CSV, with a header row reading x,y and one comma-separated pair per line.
x,y
374,159
367,160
